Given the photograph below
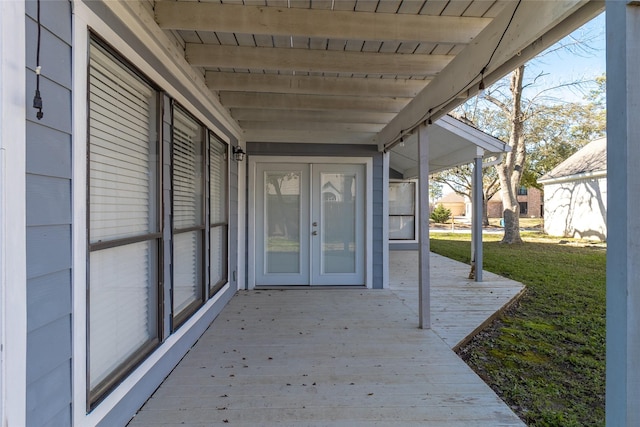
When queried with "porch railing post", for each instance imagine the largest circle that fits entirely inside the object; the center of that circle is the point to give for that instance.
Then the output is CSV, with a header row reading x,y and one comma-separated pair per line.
x,y
476,216
623,232
424,280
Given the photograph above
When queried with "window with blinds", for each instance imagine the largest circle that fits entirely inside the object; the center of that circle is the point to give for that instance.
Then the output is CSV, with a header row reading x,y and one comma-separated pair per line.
x,y
127,235
124,230
218,208
402,211
188,214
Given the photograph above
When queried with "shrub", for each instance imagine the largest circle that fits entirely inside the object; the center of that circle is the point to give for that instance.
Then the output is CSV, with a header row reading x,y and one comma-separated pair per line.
x,y
441,214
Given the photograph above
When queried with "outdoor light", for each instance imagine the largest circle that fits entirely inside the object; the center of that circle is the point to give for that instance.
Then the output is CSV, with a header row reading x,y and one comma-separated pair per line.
x,y
238,154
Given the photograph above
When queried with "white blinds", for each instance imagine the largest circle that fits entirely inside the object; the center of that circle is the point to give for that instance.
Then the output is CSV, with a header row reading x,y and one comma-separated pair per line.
x,y
122,305
122,127
402,198
218,211
402,210
187,171
187,211
186,272
218,181
122,203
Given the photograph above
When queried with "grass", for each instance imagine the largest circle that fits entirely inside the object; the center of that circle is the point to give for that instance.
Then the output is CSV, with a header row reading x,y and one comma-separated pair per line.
x,y
546,355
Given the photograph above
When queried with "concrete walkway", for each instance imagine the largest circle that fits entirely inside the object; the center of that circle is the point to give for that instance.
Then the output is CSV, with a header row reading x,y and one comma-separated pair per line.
x,y
339,357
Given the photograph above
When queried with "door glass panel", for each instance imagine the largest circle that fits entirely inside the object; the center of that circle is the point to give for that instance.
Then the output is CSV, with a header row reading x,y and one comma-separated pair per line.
x,y
338,199
282,221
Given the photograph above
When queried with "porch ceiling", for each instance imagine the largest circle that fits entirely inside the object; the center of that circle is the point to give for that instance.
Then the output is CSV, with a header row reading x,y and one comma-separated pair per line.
x,y
357,71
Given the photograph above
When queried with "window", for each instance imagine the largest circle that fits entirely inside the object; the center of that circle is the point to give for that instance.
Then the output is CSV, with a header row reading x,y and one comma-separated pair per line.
x,y
188,215
123,218
218,207
522,191
127,233
402,196
523,208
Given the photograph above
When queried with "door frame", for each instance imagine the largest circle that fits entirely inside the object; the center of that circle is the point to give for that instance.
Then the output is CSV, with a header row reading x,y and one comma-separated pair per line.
x,y
368,206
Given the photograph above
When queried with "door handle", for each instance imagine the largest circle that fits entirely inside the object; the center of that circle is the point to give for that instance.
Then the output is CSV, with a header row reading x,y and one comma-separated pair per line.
x,y
314,233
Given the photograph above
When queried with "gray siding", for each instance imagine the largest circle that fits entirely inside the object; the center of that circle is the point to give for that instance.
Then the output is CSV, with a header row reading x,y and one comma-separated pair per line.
x,y
48,198
378,218
339,150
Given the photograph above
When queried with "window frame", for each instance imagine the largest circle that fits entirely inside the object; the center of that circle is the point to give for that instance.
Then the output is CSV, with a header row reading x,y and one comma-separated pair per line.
x,y
524,208
123,370
179,319
214,288
414,183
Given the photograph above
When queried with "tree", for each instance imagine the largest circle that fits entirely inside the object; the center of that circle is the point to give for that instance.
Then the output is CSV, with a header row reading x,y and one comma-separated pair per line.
x,y
440,214
541,131
511,169
435,191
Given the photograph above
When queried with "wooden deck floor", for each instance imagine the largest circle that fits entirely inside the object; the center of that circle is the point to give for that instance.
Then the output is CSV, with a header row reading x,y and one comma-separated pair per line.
x,y
336,357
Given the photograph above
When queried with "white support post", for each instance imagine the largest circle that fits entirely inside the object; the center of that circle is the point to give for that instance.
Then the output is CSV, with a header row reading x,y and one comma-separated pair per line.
x,y
13,270
424,280
476,217
385,219
623,188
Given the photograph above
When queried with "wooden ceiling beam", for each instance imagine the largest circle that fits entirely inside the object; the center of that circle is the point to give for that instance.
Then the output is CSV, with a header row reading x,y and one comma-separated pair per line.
x,y
330,24
260,114
305,60
278,83
303,136
287,124
311,102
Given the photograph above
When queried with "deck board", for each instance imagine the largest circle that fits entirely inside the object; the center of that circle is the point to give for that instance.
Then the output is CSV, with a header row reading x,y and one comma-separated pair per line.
x,y
336,357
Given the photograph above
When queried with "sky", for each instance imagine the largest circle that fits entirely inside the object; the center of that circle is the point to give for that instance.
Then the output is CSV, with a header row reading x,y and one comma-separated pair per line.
x,y
563,66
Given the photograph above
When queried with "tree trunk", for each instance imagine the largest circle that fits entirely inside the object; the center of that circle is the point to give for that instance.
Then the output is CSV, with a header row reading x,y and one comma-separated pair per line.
x,y
485,211
510,171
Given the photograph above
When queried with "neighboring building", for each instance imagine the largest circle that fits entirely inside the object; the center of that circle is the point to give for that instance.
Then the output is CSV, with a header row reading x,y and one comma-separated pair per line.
x,y
575,194
530,200
457,204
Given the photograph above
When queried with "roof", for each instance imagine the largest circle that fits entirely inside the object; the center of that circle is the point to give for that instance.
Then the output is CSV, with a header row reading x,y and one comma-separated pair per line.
x,y
452,198
356,71
589,160
452,142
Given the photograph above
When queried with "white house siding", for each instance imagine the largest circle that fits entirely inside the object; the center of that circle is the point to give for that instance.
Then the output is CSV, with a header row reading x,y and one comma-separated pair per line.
x,y
576,208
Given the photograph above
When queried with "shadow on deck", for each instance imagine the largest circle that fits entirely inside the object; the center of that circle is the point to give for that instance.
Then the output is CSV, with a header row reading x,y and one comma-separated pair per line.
x,y
346,357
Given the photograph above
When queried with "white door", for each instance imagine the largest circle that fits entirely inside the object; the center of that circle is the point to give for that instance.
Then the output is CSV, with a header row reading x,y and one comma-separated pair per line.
x,y
310,224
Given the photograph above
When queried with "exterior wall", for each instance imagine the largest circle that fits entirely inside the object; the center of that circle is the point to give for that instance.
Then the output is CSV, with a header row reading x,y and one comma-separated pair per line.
x,y
48,198
330,150
494,209
456,208
533,198
55,197
576,209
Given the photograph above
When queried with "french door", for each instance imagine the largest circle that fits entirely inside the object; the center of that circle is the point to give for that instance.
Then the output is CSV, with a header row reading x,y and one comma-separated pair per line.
x,y
310,224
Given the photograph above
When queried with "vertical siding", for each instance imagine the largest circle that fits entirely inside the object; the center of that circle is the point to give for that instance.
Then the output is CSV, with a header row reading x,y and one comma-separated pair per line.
x,y
48,183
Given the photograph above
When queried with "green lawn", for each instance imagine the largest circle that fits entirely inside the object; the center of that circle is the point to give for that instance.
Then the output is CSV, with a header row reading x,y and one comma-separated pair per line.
x,y
546,355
